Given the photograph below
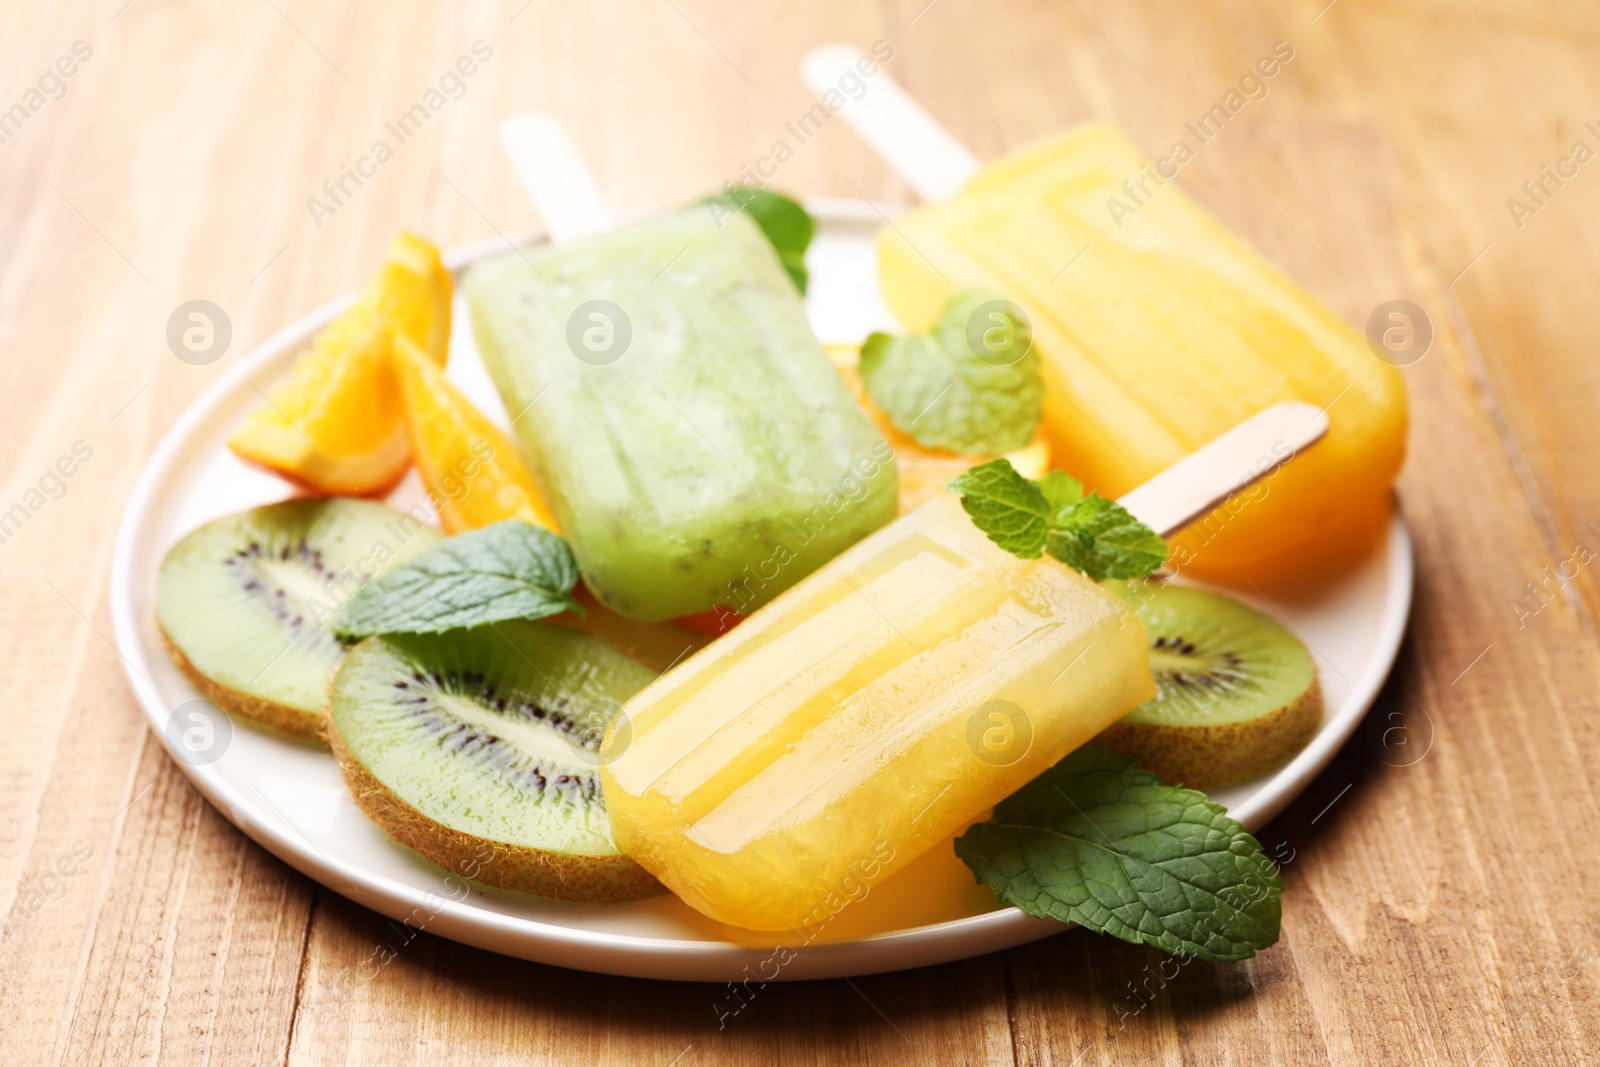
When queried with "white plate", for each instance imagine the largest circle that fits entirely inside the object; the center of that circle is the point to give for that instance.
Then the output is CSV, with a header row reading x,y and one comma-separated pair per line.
x,y
289,797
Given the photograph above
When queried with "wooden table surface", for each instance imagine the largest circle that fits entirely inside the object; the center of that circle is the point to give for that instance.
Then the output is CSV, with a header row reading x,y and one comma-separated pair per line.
x,y
1438,907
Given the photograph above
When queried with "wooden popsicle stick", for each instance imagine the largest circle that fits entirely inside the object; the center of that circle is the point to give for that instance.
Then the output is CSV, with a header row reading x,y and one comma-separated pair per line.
x,y
554,175
1198,482
891,121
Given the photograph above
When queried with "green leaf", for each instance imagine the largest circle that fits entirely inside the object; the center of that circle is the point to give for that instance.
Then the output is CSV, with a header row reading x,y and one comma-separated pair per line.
x,y
1011,509
1098,537
785,223
1026,518
1097,842
971,386
510,570
983,325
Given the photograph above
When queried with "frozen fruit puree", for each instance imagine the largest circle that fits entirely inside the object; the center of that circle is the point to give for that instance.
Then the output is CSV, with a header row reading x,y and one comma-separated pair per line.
x,y
696,445
863,717
1158,330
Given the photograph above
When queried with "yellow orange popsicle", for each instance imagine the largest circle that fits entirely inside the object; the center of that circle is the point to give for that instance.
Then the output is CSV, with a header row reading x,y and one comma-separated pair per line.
x,y
1165,330
862,717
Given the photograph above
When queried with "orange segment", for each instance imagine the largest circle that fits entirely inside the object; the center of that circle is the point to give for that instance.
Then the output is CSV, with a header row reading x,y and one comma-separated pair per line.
x,y
412,290
318,429
336,425
924,472
474,474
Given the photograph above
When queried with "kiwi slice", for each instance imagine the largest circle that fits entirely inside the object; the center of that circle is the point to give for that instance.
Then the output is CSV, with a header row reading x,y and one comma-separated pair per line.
x,y
480,750
1235,692
244,602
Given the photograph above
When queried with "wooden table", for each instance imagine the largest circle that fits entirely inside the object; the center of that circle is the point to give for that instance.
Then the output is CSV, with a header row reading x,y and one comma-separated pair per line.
x,y
1437,911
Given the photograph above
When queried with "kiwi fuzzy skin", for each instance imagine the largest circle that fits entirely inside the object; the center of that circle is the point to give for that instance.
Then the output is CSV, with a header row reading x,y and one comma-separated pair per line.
x,y
590,879
295,722
1207,757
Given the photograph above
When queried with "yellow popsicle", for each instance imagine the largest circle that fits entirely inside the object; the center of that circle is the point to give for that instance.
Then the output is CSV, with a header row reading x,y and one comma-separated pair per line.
x,y
862,717
1158,329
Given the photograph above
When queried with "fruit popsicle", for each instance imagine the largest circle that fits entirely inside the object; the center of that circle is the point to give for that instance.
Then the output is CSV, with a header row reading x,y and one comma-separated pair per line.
x,y
696,445
886,701
864,716
1157,327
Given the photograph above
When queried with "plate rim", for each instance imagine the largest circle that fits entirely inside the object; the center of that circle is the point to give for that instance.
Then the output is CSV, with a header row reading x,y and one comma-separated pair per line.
x,y
625,954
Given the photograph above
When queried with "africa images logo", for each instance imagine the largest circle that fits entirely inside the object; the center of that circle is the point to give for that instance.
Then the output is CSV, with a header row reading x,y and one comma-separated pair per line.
x,y
451,85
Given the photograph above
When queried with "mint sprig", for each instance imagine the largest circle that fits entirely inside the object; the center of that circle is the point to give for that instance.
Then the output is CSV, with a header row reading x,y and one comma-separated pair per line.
x,y
971,386
1028,518
785,223
1097,842
510,570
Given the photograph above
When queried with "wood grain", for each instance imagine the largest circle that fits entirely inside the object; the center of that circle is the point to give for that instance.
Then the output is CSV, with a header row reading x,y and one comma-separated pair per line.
x,y
1437,910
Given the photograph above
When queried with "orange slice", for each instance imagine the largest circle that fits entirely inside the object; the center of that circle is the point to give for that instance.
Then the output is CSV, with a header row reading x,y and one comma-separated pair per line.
x,y
336,426
412,290
327,428
924,472
474,474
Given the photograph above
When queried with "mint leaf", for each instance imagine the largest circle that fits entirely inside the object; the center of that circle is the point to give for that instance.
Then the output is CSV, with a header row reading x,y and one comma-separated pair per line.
x,y
1026,518
785,223
971,386
1098,537
1011,509
510,570
986,326
1097,842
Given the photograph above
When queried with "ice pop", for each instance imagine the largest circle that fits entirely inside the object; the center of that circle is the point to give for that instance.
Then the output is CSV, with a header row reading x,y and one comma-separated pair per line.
x,y
1157,327
783,766
886,701
695,443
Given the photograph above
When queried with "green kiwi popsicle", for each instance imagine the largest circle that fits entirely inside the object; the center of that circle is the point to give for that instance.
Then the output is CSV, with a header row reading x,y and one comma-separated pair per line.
x,y
697,447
